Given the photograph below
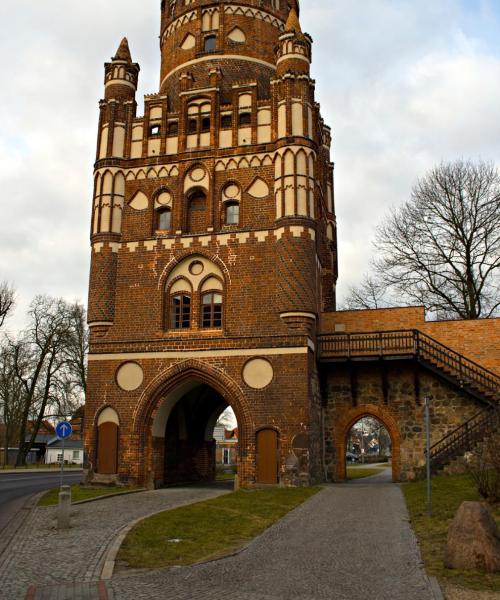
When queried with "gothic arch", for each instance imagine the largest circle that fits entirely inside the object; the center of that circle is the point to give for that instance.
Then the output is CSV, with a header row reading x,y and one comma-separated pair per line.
x,y
165,384
351,417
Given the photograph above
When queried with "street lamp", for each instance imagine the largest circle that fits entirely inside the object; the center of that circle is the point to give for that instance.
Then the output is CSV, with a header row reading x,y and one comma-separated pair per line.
x,y
427,404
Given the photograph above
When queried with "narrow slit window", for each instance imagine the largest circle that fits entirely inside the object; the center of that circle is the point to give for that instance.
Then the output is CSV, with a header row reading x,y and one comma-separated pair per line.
x,y
210,43
226,122
245,118
164,220
173,128
232,213
154,130
205,124
192,126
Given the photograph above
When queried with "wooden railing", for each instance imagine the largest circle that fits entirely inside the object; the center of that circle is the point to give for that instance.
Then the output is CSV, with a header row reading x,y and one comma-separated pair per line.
x,y
412,343
464,438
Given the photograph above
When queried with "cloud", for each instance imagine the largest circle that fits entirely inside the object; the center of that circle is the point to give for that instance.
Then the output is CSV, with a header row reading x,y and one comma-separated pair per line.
x,y
404,85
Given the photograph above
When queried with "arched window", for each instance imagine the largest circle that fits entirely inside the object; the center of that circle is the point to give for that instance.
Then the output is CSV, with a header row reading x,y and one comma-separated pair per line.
x,y
232,213
210,43
211,309
180,311
163,219
196,214
205,124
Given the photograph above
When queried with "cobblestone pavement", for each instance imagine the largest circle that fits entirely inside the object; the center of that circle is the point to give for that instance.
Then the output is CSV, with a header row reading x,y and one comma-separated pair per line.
x,y
349,542
44,556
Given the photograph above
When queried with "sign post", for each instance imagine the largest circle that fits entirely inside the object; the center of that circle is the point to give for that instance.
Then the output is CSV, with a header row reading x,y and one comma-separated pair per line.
x,y
427,401
63,430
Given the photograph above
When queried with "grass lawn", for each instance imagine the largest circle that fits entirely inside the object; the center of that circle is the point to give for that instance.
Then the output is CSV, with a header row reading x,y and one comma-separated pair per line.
x,y
224,476
208,529
449,491
359,472
78,493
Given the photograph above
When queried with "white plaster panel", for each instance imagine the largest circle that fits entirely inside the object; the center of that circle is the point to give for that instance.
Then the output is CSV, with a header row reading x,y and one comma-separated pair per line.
x,y
258,373
129,376
108,415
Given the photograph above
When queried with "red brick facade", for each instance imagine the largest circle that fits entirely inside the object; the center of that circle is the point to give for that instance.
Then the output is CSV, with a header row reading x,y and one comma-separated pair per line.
x,y
191,310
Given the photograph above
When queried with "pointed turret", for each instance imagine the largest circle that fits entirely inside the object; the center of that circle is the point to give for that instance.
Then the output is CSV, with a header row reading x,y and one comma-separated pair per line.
x,y
123,52
121,74
293,23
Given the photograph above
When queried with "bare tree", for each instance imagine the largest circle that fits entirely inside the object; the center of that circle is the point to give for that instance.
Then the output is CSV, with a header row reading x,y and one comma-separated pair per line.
x,y
7,300
78,346
442,248
371,293
11,397
39,361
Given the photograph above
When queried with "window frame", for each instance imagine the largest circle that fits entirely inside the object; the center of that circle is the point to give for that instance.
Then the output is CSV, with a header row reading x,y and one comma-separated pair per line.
x,y
212,309
177,314
159,212
228,204
211,37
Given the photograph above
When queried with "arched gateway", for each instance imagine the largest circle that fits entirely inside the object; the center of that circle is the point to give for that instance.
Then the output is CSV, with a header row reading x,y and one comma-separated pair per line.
x,y
174,422
214,267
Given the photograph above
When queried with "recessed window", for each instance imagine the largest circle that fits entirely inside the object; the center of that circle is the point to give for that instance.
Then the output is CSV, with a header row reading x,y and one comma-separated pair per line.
x,y
192,126
226,122
210,43
173,128
164,219
180,311
232,213
154,130
211,308
205,124
245,118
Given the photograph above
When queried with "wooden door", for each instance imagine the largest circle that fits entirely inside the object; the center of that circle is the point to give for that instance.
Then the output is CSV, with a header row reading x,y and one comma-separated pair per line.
x,y
267,456
107,448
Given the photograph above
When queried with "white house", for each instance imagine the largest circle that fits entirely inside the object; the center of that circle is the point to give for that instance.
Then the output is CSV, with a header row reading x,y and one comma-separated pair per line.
x,y
73,452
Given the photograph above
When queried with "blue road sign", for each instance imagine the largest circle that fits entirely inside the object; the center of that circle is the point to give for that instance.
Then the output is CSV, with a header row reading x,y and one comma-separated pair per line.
x,y
63,430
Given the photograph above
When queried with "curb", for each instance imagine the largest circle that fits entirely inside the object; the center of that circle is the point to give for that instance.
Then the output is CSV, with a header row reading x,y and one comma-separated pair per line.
x,y
115,545
437,594
108,496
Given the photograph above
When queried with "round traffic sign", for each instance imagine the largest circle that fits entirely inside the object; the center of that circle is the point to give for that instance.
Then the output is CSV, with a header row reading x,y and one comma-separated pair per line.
x,y
63,430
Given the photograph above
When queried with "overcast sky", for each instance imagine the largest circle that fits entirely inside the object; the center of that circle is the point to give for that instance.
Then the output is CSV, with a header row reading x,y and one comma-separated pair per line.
x,y
404,84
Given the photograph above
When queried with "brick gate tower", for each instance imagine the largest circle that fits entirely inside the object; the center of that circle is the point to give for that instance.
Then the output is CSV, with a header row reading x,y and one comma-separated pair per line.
x,y
213,251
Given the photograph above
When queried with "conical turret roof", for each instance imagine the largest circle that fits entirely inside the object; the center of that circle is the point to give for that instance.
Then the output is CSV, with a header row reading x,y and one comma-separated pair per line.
x,y
123,52
293,23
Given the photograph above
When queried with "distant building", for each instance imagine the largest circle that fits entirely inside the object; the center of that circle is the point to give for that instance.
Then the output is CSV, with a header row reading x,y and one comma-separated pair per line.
x,y
73,452
226,446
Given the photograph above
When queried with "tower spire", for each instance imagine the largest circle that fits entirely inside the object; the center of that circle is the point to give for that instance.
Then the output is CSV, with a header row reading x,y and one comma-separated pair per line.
x,y
293,23
123,52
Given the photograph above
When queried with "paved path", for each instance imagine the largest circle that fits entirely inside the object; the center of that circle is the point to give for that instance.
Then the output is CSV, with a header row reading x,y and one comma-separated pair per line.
x,y
44,556
349,542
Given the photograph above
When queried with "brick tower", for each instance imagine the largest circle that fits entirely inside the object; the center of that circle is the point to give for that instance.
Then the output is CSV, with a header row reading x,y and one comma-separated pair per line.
x,y
213,251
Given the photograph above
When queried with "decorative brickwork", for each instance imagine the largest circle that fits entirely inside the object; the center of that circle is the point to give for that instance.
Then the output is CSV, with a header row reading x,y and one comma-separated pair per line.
x,y
214,265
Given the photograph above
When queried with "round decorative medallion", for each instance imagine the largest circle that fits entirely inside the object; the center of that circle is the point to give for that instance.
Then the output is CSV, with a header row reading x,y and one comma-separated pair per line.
x,y
164,199
196,267
129,376
231,191
258,373
197,174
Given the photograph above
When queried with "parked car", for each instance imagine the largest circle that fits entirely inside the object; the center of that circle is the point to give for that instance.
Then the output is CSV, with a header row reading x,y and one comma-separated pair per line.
x,y
351,457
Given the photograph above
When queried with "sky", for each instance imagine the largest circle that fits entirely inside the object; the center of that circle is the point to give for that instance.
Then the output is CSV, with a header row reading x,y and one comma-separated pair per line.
x,y
404,84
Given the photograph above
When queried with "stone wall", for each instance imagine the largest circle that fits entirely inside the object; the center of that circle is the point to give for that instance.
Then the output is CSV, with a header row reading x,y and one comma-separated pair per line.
x,y
401,411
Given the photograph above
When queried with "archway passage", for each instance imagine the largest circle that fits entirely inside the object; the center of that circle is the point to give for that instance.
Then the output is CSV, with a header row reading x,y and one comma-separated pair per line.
x,y
343,429
190,449
368,444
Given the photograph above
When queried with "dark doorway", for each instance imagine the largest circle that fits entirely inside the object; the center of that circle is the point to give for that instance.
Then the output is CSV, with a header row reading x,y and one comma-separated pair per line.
x,y
190,447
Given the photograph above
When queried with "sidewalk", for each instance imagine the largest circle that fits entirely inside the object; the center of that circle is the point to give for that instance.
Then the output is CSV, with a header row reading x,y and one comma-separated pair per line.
x,y
40,556
349,542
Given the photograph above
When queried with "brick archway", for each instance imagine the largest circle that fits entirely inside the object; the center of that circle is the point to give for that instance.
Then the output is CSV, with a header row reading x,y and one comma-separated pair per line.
x,y
344,425
167,383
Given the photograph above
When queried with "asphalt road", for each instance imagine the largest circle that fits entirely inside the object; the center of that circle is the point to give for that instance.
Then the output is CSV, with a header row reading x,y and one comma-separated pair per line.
x,y
15,488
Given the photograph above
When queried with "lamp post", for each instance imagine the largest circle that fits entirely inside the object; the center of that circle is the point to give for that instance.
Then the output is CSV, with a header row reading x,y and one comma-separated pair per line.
x,y
427,404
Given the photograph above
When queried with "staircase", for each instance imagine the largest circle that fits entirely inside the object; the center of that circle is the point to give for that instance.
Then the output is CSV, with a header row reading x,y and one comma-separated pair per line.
x,y
479,382
482,384
465,438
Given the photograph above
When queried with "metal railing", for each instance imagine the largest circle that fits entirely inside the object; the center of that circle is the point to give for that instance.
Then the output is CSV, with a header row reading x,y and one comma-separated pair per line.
x,y
414,343
464,438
